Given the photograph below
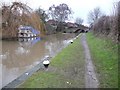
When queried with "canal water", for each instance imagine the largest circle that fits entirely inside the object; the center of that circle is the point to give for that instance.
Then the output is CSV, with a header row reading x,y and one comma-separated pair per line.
x,y
19,56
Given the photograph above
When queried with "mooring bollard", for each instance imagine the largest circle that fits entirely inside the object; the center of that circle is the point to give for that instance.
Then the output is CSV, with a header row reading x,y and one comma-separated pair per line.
x,y
46,63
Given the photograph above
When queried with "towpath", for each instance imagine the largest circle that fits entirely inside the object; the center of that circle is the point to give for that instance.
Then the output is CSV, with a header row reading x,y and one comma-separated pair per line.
x,y
91,80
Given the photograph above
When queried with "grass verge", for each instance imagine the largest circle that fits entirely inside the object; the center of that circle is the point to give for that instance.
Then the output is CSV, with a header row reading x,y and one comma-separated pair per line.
x,y
105,58
65,71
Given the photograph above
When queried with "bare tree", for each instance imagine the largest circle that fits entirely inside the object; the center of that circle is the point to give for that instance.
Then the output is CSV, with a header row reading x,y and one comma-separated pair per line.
x,y
79,21
94,15
60,13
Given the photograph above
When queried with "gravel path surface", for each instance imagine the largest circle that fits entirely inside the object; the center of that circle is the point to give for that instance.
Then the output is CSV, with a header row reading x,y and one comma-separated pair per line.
x,y
90,75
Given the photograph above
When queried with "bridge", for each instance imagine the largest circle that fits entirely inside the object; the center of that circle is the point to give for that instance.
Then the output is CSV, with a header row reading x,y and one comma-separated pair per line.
x,y
75,30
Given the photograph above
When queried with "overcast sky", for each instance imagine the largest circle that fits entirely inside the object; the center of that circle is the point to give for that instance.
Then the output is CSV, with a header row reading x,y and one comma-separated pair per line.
x,y
80,8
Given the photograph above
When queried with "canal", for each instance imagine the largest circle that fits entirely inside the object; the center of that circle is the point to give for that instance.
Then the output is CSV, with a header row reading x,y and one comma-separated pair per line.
x,y
19,56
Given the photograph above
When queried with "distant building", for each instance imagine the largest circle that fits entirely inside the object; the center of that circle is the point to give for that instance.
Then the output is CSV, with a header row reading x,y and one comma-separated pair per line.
x,y
71,25
52,22
27,31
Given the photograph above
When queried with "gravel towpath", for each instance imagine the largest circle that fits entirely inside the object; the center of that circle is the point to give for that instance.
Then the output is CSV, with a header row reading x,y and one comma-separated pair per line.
x,y
91,80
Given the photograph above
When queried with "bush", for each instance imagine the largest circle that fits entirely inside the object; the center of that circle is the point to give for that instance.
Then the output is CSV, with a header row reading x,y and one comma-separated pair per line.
x,y
108,26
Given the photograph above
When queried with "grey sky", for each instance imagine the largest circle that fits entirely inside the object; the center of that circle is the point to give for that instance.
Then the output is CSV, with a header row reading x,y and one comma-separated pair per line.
x,y
80,8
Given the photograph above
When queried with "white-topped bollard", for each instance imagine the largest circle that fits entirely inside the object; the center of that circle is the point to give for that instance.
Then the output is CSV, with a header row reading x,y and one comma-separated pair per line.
x,y
71,41
77,37
27,73
46,63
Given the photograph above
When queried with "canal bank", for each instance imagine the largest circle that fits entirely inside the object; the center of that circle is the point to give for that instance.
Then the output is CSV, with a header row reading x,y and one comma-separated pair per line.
x,y
39,67
19,57
66,70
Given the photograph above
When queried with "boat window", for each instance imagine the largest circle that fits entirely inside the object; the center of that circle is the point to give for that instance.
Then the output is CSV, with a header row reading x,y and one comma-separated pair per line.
x,y
22,33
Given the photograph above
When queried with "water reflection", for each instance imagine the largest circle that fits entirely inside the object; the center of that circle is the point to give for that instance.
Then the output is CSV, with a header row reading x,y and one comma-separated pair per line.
x,y
29,41
19,56
25,44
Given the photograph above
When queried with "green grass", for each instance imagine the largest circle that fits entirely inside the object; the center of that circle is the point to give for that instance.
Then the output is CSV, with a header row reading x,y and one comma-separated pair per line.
x,y
105,58
65,71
